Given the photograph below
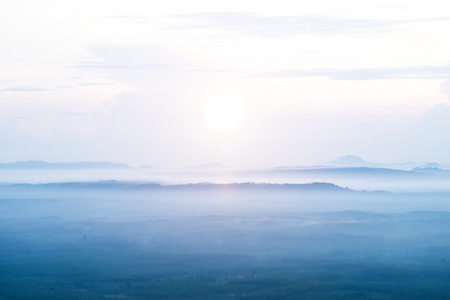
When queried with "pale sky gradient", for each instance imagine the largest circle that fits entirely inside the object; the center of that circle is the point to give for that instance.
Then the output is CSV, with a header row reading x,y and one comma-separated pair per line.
x,y
129,81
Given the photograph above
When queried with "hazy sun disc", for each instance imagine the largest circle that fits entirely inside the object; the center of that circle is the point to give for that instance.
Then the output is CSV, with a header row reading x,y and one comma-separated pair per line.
x,y
224,114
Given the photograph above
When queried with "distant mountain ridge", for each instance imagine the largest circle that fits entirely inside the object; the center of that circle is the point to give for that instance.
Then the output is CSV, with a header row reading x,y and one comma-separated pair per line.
x,y
356,161
353,161
37,164
362,173
127,185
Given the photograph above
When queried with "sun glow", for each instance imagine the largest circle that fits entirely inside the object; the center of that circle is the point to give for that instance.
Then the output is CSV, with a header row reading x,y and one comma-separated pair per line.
x,y
224,114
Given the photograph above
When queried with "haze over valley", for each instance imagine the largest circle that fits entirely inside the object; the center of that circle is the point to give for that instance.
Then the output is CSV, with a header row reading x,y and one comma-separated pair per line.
x,y
224,149
347,171
229,238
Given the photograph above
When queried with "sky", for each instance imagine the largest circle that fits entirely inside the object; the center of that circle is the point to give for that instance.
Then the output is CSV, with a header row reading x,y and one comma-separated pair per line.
x,y
138,82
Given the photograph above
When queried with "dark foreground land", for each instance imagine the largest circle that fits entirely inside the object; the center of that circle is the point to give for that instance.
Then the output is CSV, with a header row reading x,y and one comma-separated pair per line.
x,y
89,245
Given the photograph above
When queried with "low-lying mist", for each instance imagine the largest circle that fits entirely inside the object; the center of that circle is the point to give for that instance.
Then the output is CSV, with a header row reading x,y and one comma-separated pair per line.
x,y
141,240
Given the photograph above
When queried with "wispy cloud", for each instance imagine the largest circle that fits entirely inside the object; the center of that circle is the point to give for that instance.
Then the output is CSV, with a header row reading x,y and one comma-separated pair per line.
x,y
176,66
281,26
101,65
93,84
412,72
83,84
255,24
25,89
79,114
415,72
58,87
138,59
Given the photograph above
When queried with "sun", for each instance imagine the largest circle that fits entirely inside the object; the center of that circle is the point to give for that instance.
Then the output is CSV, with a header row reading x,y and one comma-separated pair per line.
x,y
224,114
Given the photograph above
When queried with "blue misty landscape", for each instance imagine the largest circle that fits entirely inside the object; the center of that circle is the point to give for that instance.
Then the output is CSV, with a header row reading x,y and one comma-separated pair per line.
x,y
224,150
286,238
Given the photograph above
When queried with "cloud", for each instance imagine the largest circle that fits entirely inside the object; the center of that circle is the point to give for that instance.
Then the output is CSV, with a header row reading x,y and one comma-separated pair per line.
x,y
93,84
57,87
280,26
415,72
77,114
82,84
445,88
428,139
102,65
177,65
25,89
437,117
284,26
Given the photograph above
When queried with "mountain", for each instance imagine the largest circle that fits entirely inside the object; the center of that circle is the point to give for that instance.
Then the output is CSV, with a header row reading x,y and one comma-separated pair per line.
x,y
115,185
431,170
37,164
356,161
353,161
359,173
